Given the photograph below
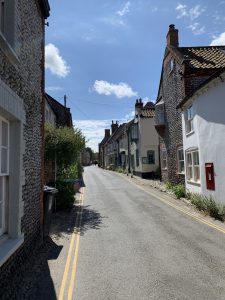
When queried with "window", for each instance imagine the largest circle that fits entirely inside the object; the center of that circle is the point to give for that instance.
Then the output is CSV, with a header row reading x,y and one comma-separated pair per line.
x,y
188,115
137,157
171,64
2,15
160,112
134,132
4,173
192,169
151,157
7,26
180,160
164,159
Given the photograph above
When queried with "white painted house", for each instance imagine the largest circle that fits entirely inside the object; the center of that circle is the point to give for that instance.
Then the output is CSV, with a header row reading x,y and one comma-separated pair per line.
x,y
203,123
144,141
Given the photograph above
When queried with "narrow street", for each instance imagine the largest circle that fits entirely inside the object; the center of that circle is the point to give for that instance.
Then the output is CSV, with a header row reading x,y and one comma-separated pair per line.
x,y
138,247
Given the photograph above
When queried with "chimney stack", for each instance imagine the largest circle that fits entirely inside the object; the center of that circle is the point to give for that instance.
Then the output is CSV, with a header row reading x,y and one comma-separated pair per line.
x,y
65,100
114,126
107,133
172,36
138,106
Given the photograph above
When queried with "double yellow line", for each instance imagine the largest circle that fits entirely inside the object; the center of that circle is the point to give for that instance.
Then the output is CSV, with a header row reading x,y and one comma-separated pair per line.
x,y
68,267
182,210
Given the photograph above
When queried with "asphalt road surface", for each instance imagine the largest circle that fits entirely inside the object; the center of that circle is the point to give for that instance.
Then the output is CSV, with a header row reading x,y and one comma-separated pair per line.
x,y
134,246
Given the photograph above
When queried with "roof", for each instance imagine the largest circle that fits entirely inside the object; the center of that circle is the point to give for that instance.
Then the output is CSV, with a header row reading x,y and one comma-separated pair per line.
x,y
45,7
210,57
214,76
62,113
148,111
117,133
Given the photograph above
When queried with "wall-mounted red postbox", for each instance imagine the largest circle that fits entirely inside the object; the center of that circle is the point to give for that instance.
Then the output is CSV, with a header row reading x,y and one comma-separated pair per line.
x,y
210,177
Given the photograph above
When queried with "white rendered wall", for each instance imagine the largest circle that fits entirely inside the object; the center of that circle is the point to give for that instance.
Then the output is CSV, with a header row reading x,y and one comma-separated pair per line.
x,y
209,138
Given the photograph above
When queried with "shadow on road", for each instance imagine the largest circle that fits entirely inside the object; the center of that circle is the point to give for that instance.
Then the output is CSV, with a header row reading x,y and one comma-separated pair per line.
x,y
64,222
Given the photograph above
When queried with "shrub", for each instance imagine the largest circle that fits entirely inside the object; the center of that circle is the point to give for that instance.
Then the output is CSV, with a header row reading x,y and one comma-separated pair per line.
x,y
179,190
209,206
65,196
169,186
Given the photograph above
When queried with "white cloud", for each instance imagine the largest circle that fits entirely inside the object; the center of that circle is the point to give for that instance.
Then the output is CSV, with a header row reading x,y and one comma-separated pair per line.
x,y
192,13
93,130
182,9
130,116
219,40
195,12
54,62
196,28
124,10
53,88
120,90
113,21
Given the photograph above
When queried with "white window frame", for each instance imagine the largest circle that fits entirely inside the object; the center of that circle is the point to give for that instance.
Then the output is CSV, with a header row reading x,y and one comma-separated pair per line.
x,y
188,117
180,161
192,166
12,109
4,179
164,159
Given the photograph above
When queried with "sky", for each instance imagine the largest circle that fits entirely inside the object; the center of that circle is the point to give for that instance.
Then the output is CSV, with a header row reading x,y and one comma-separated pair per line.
x,y
104,54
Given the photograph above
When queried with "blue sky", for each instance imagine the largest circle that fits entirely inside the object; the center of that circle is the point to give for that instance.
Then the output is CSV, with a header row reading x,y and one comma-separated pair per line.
x,y
103,54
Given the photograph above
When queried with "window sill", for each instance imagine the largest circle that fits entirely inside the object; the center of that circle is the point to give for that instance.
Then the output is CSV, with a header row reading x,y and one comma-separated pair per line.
x,y
180,173
8,50
190,133
8,247
193,183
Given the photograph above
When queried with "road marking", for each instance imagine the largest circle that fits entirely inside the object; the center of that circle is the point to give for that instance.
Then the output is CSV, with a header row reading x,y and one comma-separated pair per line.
x,y
199,219
69,256
74,265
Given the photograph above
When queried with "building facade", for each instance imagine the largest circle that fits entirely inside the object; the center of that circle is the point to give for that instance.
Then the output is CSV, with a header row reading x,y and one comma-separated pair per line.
x,y
21,132
143,141
183,70
203,126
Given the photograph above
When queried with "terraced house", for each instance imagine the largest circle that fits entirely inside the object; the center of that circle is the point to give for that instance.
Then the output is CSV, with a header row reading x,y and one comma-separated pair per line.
x,y
22,30
183,70
143,141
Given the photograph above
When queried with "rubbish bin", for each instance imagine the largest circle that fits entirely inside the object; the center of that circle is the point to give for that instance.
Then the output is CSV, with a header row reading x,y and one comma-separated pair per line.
x,y
49,197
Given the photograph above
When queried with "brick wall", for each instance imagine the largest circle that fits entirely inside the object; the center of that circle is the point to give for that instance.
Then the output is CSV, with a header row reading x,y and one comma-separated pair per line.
x,y
26,80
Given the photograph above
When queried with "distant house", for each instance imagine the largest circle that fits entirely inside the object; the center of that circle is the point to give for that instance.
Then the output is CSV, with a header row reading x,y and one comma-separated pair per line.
x,y
183,70
143,141
101,149
56,113
110,148
203,123
21,131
